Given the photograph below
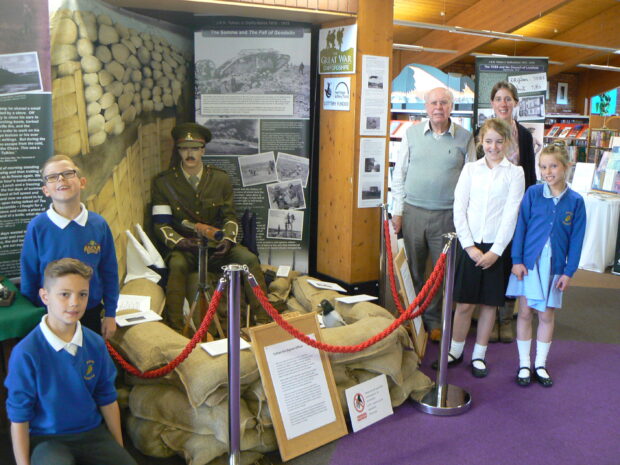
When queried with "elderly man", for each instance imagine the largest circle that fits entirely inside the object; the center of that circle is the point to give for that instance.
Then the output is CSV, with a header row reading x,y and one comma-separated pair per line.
x,y
428,166
192,193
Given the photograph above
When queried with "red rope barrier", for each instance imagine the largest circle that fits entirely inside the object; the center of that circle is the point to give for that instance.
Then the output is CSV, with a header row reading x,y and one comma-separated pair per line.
x,y
434,282
163,371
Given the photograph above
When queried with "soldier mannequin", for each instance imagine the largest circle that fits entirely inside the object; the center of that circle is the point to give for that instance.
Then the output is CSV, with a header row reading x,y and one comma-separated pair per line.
x,y
197,193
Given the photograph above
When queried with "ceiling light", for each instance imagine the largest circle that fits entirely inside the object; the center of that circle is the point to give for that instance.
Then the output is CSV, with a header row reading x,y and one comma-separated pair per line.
x,y
502,35
420,48
600,67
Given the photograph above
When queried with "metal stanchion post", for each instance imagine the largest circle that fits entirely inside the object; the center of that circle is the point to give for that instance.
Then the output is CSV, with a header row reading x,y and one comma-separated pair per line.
x,y
234,363
382,259
446,399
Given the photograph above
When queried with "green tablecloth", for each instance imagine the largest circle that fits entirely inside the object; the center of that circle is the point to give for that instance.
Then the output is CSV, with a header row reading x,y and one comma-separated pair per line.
x,y
20,317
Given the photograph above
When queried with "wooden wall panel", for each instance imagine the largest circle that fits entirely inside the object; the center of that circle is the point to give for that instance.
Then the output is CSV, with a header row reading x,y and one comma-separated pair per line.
x,y
347,236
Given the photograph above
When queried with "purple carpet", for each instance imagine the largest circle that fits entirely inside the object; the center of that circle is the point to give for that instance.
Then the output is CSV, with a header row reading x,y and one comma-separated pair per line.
x,y
575,422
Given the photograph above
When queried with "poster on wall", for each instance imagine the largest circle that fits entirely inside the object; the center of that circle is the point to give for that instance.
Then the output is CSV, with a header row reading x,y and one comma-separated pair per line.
x,y
25,122
374,101
253,93
527,74
371,172
337,50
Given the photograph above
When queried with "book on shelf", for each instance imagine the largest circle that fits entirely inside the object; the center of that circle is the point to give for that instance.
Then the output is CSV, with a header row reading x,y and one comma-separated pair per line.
x,y
576,130
554,130
566,130
600,137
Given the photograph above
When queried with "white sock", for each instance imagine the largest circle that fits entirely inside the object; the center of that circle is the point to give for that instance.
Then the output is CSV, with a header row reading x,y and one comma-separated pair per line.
x,y
479,353
542,349
524,352
456,348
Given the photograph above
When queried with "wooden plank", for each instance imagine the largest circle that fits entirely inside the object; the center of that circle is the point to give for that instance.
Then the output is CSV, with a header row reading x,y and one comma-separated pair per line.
x,y
81,108
62,86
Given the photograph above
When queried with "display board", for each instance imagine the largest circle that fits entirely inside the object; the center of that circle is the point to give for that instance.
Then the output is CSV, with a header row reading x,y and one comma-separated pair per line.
x,y
527,74
253,93
25,122
299,386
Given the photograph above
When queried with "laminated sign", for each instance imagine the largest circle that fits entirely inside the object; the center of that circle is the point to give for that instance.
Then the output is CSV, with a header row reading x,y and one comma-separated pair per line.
x,y
337,50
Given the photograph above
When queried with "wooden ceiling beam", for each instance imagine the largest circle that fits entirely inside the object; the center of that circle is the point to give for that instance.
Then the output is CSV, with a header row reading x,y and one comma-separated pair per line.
x,y
601,30
484,15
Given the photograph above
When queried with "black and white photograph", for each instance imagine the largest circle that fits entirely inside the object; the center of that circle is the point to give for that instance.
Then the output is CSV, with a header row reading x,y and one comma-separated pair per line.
x,y
287,195
371,165
257,169
373,122
285,224
371,191
532,107
291,167
375,82
232,136
256,65
20,72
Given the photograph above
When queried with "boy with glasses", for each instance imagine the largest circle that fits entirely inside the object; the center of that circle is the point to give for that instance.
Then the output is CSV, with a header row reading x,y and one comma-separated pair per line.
x,y
67,229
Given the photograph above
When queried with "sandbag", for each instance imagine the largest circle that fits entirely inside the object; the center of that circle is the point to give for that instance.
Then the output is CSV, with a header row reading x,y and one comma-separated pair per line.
x,y
146,437
309,296
169,406
146,287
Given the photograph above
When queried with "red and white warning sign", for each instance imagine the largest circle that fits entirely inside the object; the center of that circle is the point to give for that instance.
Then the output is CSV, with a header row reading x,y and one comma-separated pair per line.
x,y
368,402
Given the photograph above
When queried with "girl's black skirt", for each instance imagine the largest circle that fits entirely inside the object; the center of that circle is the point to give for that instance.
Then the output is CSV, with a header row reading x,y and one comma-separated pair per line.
x,y
473,285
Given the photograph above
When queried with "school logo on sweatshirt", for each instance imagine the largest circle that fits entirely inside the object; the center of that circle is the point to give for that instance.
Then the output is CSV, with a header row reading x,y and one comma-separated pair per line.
x,y
90,372
568,219
92,247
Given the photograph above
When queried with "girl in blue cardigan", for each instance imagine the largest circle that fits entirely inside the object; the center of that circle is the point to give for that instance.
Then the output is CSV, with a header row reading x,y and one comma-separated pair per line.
x,y
545,254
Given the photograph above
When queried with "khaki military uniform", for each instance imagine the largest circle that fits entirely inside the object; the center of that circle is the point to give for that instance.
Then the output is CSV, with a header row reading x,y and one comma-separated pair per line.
x,y
175,200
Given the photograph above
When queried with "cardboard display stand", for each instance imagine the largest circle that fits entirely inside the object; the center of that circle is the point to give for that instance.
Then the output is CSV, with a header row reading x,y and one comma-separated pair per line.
x,y
264,339
407,295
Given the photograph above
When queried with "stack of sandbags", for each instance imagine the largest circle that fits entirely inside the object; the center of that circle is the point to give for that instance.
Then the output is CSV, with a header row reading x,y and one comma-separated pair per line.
x,y
186,412
393,356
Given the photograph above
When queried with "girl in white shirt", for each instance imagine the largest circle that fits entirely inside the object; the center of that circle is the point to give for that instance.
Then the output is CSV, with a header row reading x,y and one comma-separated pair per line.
x,y
486,205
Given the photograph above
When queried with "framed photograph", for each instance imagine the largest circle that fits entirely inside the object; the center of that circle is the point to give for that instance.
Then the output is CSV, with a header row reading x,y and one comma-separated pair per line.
x,y
287,195
562,96
20,73
257,169
285,224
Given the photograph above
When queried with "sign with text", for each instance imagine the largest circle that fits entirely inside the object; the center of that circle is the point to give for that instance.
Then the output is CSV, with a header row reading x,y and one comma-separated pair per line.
x,y
299,386
336,94
337,50
368,402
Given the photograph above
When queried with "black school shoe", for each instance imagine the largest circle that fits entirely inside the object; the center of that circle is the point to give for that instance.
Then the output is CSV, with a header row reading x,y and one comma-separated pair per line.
x,y
479,372
544,381
451,361
524,381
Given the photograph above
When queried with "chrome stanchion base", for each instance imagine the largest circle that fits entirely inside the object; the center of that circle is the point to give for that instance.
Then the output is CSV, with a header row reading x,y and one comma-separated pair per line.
x,y
449,400
234,458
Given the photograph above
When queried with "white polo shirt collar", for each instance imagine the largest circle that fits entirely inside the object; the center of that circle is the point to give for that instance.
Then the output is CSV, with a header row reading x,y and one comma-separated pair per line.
x,y
57,343
63,222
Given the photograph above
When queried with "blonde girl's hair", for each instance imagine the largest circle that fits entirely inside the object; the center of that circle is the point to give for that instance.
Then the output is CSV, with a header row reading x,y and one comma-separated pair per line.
x,y
558,150
499,126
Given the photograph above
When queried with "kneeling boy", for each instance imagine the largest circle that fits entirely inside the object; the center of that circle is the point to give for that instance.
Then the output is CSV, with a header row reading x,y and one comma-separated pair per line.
x,y
61,381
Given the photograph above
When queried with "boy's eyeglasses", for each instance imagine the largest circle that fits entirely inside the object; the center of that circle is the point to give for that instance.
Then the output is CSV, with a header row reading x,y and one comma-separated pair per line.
x,y
54,177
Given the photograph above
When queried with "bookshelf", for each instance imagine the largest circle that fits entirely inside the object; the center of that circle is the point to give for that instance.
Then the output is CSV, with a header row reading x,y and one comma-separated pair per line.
x,y
600,134
573,130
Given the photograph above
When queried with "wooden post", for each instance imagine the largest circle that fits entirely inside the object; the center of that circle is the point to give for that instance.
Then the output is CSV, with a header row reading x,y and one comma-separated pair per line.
x,y
347,236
